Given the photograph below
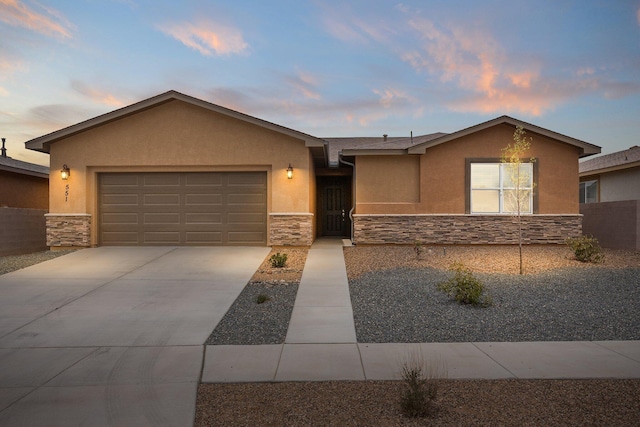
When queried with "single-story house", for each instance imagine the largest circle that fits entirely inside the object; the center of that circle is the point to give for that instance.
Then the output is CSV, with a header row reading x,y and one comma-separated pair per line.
x,y
609,196
176,170
22,184
24,200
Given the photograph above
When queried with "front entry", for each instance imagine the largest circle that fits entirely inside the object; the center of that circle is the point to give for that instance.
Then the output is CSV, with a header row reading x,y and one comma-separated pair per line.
x,y
334,203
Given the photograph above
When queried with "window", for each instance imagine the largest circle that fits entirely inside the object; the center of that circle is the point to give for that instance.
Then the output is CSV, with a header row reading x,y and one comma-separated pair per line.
x,y
589,191
493,188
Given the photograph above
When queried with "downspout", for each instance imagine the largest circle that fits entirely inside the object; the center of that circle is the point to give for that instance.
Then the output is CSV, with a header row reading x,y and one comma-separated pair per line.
x,y
353,192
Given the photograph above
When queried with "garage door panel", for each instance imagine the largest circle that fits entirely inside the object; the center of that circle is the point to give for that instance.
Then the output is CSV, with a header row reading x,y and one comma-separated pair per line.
x,y
224,208
203,218
162,179
204,179
120,237
164,238
120,218
203,199
162,218
162,199
120,180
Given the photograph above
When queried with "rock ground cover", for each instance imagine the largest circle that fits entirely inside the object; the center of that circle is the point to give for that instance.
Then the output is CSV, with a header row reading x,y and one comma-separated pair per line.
x,y
460,402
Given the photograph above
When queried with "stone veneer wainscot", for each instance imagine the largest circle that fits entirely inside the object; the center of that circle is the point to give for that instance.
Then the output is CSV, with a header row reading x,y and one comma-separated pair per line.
x,y
291,229
68,230
464,229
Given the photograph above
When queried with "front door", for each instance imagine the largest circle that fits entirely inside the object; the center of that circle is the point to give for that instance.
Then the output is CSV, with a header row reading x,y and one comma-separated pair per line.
x,y
335,202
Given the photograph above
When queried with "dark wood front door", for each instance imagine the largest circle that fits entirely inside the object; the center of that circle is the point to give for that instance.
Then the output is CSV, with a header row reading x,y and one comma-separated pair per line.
x,y
335,203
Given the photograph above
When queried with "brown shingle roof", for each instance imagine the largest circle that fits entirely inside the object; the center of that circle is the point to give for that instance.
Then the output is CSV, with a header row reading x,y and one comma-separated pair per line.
x,y
25,168
616,160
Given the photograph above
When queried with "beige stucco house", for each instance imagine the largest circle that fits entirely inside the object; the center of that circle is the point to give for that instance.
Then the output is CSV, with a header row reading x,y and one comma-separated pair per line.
x,y
176,170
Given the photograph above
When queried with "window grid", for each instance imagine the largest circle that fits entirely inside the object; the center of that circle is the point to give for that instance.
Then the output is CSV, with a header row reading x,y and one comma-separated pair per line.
x,y
501,187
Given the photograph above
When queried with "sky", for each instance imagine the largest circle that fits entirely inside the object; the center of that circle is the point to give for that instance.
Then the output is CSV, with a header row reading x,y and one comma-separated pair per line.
x,y
328,68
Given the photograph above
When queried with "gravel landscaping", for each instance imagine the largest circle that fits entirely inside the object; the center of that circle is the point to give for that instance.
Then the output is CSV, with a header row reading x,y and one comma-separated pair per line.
x,y
394,300
569,304
17,262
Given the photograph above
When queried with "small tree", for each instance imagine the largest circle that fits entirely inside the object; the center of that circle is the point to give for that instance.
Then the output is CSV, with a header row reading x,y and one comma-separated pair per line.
x,y
519,178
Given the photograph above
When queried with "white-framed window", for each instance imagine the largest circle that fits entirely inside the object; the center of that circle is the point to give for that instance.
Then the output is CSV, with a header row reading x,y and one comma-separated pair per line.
x,y
589,191
494,191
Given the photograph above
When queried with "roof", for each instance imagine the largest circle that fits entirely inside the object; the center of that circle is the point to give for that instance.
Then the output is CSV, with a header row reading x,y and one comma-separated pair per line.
x,y
43,143
432,140
25,168
609,162
390,145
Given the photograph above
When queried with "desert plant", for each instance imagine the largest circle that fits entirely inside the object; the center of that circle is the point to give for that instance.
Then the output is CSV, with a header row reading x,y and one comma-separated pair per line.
x,y
418,249
420,386
262,298
586,248
520,181
278,260
464,287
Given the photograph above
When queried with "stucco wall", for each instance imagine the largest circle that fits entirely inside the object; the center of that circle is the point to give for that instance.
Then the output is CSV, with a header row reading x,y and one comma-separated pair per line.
x,y
620,185
388,179
442,186
23,191
177,136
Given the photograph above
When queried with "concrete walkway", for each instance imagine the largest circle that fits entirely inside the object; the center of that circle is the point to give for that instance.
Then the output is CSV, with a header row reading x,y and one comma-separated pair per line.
x,y
112,335
321,344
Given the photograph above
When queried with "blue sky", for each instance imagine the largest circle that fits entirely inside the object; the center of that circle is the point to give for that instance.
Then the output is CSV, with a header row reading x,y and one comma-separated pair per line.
x,y
328,68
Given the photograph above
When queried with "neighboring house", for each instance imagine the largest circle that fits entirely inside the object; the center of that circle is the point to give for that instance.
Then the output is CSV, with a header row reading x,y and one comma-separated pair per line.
x,y
24,199
176,170
610,198
23,184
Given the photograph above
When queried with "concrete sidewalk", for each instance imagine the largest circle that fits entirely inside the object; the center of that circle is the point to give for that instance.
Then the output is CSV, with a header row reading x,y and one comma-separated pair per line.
x,y
321,344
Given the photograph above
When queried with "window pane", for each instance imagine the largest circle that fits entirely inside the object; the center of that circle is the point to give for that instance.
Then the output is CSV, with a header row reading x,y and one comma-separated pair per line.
x,y
592,191
510,175
485,201
510,202
485,175
582,192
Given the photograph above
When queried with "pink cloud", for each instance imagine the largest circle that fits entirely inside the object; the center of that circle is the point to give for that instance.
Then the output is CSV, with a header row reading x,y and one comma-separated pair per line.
x,y
98,95
306,84
638,15
52,22
472,60
207,37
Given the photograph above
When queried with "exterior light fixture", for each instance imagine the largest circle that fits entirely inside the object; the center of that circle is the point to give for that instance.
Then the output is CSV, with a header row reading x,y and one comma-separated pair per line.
x,y
289,171
65,172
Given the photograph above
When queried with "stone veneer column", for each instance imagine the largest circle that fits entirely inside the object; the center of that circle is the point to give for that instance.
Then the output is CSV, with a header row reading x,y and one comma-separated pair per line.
x,y
68,230
291,229
464,229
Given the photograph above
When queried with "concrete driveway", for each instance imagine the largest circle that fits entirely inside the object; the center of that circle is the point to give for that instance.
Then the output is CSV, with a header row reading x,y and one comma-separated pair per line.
x,y
113,335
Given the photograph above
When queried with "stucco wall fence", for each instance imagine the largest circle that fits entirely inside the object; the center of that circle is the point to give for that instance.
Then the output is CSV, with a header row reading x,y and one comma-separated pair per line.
x,y
464,229
616,225
22,231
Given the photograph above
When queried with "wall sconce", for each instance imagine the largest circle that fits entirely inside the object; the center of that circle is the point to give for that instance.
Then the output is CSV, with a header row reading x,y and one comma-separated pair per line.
x,y
289,171
65,172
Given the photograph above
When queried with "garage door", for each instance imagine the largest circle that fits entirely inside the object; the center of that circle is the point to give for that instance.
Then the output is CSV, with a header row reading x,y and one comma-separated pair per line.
x,y
183,208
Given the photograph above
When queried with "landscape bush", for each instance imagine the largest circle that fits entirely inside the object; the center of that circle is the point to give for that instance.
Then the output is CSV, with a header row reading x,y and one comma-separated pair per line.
x,y
586,248
420,386
278,260
464,287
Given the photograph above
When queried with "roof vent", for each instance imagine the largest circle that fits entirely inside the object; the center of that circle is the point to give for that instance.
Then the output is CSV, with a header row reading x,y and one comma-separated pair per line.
x,y
4,150
384,137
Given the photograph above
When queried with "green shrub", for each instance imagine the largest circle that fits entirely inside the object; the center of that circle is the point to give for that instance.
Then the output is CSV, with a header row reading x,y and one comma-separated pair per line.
x,y
420,387
262,298
278,260
464,287
586,248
